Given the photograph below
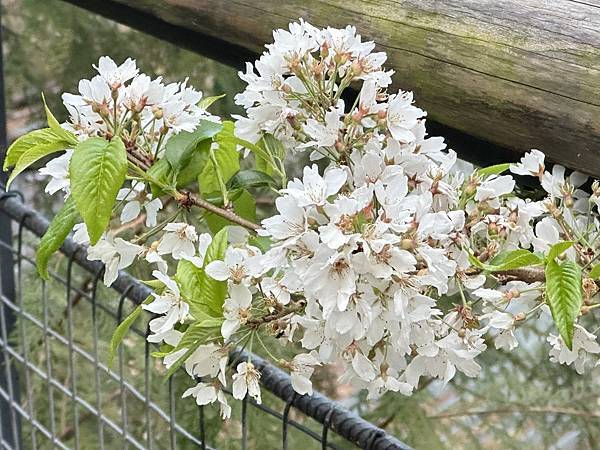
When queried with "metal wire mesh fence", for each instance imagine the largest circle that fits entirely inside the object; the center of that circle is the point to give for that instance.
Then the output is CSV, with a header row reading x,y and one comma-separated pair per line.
x,y
56,390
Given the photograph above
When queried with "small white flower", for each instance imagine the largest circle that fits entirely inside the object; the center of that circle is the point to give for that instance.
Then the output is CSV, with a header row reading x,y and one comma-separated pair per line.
x,y
494,187
80,234
532,163
290,223
168,336
205,394
276,290
116,75
245,381
314,189
115,253
153,257
58,169
302,368
505,323
169,303
204,240
178,241
208,360
236,309
555,184
135,199
402,116
584,342
235,267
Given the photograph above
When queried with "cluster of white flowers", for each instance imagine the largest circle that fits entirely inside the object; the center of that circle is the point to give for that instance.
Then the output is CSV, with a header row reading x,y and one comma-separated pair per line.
x,y
371,251
374,241
121,101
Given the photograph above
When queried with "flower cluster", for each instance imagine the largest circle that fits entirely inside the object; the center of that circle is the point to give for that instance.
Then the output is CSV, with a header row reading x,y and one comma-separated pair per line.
x,y
381,257
120,101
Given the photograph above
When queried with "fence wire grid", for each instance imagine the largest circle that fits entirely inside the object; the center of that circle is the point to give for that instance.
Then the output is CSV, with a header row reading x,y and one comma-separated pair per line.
x,y
57,391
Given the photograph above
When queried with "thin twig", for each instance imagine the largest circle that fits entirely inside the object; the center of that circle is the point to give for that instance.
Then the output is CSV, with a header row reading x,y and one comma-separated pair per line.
x,y
514,410
184,197
258,321
226,214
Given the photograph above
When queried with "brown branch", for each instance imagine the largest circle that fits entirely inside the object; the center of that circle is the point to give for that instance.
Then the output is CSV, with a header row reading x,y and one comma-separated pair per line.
x,y
226,214
132,224
526,274
293,308
185,198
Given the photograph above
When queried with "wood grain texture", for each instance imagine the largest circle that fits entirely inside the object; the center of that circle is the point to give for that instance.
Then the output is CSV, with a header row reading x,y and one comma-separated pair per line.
x,y
518,73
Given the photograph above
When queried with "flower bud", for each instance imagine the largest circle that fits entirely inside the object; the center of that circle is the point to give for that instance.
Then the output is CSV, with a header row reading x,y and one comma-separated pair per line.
x,y
471,188
568,200
115,91
520,317
357,116
340,146
157,112
356,68
408,244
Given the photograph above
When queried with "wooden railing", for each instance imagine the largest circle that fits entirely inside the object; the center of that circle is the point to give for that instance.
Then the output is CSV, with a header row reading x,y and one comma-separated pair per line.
x,y
517,74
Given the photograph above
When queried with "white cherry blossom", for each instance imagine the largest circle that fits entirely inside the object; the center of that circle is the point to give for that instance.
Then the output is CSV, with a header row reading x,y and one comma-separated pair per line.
x,y
115,253
245,381
178,241
168,303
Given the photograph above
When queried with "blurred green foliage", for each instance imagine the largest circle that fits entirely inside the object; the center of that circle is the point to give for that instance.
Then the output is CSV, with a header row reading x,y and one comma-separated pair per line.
x,y
50,45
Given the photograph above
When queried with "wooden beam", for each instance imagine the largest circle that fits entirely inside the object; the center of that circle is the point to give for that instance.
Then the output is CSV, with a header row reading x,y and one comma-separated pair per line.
x,y
516,74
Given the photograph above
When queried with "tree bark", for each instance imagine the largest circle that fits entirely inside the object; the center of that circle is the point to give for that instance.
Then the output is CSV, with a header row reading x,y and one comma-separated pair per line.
x,y
519,74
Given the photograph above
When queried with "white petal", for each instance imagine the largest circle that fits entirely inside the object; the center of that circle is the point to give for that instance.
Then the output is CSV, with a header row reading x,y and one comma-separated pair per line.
x,y
217,270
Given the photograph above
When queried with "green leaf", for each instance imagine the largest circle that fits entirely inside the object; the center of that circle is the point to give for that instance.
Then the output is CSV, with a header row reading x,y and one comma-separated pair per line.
x,y
508,261
250,179
273,146
243,205
161,171
26,142
213,292
564,296
262,242
227,161
231,139
97,171
180,147
557,249
196,164
516,259
204,295
34,154
196,334
56,128
156,285
188,278
475,261
207,101
123,328
595,272
58,230
492,170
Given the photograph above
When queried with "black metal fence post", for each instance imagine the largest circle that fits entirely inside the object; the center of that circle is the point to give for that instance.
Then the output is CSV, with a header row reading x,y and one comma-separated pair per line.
x,y
10,423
